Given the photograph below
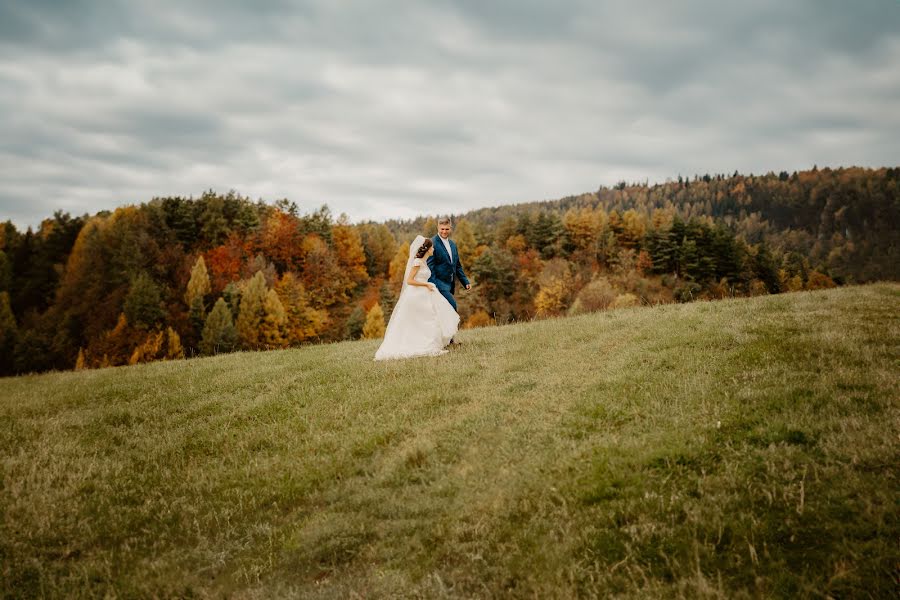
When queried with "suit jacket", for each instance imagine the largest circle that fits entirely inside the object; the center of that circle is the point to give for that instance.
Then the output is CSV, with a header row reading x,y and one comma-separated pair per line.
x,y
445,272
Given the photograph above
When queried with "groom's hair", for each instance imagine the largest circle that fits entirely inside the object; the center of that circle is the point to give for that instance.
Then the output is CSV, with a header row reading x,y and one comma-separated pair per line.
x,y
445,221
423,249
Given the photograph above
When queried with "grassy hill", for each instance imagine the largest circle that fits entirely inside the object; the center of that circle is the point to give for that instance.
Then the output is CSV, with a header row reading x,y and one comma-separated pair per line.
x,y
740,448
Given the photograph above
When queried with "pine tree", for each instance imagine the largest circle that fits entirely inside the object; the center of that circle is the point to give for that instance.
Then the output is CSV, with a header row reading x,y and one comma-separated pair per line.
x,y
252,311
688,260
179,215
374,327
232,295
142,305
219,334
544,234
274,322
378,246
765,269
388,299
215,226
355,323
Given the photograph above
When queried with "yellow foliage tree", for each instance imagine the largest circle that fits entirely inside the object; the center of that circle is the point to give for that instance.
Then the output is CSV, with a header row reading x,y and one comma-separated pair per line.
x,y
198,286
793,284
147,350
430,228
115,346
398,265
662,218
634,226
625,301
348,246
252,311
551,298
325,280
582,227
303,321
174,349
597,295
274,322
516,243
464,237
80,363
374,327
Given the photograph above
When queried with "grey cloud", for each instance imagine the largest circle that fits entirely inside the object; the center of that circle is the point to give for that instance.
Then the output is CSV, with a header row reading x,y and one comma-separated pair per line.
x,y
404,108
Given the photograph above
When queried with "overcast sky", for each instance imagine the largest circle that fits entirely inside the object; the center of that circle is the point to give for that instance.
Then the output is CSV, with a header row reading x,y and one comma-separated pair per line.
x,y
396,109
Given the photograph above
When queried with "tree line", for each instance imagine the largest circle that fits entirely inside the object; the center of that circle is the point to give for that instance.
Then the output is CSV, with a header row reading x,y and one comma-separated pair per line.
x,y
178,277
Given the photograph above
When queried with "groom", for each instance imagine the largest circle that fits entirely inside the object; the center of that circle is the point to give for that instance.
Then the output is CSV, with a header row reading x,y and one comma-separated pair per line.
x,y
444,263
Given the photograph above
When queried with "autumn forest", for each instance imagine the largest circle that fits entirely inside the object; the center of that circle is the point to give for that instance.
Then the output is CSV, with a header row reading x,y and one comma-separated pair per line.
x,y
179,277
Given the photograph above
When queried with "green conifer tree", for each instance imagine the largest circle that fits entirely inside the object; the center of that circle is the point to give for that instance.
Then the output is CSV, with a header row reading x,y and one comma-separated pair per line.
x,y
219,334
355,323
142,305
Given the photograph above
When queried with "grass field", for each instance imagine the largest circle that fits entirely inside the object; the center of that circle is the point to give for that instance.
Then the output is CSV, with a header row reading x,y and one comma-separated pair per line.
x,y
743,448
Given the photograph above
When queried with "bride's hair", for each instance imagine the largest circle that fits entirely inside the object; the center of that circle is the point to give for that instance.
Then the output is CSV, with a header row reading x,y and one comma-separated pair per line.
x,y
423,249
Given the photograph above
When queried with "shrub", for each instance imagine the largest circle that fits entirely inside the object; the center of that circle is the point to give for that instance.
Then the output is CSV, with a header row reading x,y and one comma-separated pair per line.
x,y
597,295
624,301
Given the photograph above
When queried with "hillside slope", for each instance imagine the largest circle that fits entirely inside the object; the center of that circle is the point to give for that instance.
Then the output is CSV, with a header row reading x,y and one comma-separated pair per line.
x,y
727,449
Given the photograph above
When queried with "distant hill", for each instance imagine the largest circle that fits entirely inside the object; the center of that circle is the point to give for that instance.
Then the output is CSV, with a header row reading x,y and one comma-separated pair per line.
x,y
845,220
143,282
742,448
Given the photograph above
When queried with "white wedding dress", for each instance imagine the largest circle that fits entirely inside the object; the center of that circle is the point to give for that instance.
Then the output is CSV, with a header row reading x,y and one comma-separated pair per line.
x,y
423,322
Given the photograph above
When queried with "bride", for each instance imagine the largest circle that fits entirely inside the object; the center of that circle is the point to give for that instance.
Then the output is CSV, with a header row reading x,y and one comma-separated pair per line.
x,y
423,322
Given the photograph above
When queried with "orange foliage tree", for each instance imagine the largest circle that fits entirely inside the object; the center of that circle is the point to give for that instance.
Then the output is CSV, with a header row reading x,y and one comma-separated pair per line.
x,y
280,241
224,263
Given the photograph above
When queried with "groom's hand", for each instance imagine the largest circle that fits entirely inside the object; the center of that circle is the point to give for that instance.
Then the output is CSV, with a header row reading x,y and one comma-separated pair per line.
x,y
468,286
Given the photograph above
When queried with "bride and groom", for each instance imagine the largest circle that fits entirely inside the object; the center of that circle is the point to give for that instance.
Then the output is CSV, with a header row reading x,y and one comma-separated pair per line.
x,y
424,319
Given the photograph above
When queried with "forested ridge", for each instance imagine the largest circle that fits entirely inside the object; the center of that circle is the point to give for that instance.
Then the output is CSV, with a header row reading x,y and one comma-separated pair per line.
x,y
177,277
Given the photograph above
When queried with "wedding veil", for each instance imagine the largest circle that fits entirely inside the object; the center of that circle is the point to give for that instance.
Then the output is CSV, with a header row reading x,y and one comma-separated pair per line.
x,y
413,248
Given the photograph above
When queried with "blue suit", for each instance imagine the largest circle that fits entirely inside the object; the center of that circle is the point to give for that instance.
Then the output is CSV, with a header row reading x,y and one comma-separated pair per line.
x,y
445,272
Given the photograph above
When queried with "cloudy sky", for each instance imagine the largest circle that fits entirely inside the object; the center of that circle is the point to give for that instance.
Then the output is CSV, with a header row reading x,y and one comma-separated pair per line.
x,y
384,109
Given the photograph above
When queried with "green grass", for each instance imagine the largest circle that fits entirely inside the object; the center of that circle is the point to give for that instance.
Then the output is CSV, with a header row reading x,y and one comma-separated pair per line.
x,y
743,448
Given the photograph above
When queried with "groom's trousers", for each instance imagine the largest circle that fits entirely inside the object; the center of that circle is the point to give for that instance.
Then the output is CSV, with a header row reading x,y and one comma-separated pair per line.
x,y
446,294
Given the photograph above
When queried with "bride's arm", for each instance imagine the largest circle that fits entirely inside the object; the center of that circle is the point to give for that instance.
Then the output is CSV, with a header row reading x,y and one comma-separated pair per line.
x,y
412,279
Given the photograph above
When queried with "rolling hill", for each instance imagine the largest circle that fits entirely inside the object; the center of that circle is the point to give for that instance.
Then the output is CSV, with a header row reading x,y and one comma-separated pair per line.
x,y
740,448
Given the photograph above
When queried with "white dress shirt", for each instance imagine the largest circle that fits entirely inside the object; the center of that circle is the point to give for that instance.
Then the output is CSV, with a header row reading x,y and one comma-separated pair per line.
x,y
447,246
